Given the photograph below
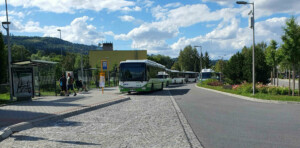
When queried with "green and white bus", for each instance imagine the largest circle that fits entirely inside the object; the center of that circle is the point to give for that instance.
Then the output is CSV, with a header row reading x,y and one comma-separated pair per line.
x,y
177,77
191,76
140,76
165,77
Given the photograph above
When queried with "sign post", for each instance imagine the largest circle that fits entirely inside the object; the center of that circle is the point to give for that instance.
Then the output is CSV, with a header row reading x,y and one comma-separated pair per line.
x,y
104,66
102,81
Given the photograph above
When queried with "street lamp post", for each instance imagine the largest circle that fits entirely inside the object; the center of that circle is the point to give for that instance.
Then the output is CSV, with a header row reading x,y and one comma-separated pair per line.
x,y
200,63
9,52
60,50
253,50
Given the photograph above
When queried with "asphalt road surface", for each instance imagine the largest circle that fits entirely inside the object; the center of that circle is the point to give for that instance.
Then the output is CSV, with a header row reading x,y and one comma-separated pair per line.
x,y
223,121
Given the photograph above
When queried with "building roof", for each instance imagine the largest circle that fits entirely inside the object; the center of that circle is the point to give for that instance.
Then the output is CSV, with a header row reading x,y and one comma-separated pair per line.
x,y
34,63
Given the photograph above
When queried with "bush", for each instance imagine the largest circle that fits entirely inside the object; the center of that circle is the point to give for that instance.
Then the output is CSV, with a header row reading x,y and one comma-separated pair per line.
x,y
247,88
215,83
273,91
209,81
284,90
262,88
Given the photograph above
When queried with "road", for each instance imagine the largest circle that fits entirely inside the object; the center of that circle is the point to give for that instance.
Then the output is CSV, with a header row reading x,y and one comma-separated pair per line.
x,y
223,121
146,120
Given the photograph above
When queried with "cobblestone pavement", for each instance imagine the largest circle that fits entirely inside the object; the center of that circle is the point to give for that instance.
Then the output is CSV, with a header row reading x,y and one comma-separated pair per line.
x,y
45,106
147,120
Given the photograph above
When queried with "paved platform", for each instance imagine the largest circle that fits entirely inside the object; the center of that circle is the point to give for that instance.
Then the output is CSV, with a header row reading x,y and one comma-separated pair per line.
x,y
42,107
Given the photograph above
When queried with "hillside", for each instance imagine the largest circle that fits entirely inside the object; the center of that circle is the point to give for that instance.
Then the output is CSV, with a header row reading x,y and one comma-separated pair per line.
x,y
49,44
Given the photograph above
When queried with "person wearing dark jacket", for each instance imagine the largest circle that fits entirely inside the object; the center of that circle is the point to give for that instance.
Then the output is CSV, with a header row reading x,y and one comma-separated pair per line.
x,y
63,85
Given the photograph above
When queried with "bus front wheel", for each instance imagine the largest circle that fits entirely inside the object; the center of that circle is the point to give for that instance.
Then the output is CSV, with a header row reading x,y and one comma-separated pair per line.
x,y
162,86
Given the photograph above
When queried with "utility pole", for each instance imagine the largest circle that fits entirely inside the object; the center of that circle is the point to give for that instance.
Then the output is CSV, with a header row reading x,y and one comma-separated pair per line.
x,y
252,23
9,52
200,63
81,65
60,51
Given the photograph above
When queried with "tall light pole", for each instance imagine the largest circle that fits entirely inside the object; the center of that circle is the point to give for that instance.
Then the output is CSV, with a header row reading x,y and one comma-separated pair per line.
x,y
9,52
81,65
200,62
253,50
60,50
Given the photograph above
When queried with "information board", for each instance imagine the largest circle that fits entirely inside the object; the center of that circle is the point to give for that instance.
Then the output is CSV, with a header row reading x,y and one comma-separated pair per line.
x,y
102,80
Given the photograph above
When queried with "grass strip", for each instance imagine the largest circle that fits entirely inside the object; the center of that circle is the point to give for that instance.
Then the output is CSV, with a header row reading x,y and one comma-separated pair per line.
x,y
257,95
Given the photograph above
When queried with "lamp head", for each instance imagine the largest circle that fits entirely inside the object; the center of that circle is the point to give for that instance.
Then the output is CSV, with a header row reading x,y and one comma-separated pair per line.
x,y
241,2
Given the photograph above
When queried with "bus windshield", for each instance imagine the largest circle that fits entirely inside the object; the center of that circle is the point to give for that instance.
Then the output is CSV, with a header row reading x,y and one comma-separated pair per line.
x,y
206,75
132,72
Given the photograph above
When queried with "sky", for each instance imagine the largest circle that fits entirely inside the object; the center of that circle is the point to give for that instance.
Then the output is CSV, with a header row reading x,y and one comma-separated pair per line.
x,y
164,27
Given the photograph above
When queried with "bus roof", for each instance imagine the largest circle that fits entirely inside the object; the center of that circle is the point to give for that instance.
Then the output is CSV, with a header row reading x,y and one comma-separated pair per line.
x,y
147,62
162,73
207,70
175,71
190,72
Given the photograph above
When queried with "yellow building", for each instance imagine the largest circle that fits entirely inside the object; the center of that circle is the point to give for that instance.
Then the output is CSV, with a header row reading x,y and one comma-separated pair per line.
x,y
114,57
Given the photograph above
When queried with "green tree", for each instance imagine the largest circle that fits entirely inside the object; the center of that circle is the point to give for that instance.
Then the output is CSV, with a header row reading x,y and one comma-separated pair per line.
x,y
161,59
262,70
19,53
220,65
68,62
3,61
273,56
176,66
189,59
291,45
206,61
239,67
233,69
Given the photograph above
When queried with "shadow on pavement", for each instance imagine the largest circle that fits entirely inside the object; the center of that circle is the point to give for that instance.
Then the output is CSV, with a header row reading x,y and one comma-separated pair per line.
x,y
31,138
57,102
176,85
174,92
9,117
59,123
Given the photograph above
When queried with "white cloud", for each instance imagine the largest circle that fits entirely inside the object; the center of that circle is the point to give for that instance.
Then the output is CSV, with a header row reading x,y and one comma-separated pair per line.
x,y
69,6
126,18
78,31
13,13
265,7
230,38
174,5
153,36
146,3
222,2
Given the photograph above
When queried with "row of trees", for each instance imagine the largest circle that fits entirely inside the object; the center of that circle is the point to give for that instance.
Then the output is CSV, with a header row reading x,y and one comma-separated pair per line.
x,y
239,68
70,61
189,60
269,59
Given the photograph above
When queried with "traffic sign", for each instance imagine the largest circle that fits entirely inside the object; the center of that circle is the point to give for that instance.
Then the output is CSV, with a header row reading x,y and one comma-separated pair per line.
x,y
104,65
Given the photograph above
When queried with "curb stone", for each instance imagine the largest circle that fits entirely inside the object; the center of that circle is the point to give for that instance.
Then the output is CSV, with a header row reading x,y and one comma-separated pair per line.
x,y
249,98
188,131
7,131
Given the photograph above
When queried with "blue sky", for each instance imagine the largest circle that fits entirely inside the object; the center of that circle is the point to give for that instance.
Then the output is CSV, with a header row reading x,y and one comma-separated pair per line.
x,y
159,26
